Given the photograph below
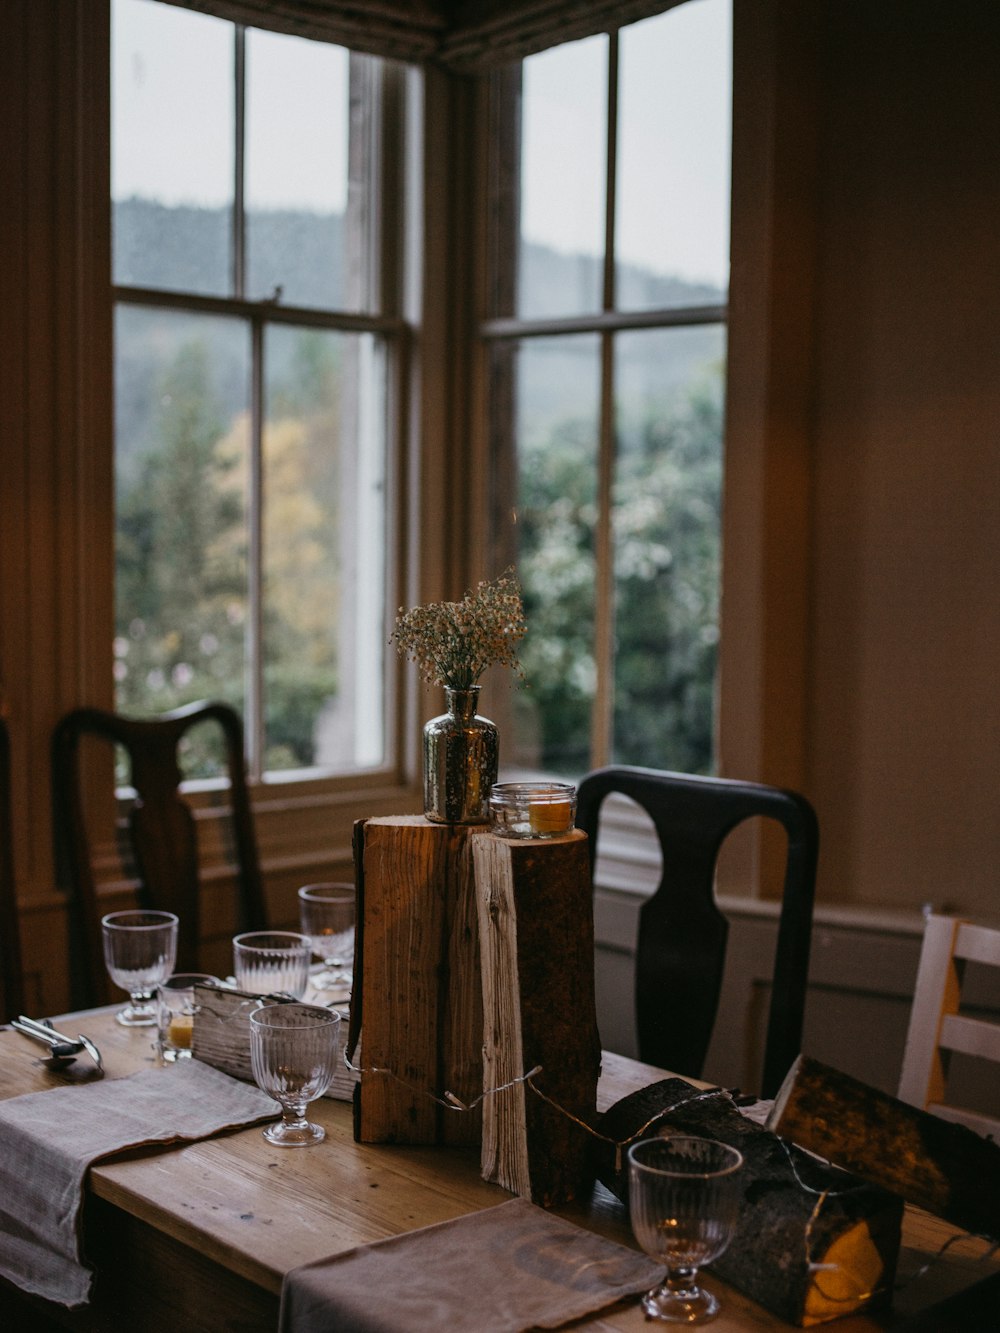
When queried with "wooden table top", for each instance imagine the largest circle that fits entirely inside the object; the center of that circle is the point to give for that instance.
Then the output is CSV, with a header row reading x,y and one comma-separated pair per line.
x,y
256,1211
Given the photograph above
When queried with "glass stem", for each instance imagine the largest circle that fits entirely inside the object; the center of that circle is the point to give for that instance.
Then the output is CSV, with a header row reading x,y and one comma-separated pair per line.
x,y
681,1282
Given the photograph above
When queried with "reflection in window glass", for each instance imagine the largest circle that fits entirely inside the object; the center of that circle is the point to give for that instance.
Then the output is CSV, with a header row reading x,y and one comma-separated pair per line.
x,y
564,105
672,208
296,170
666,524
324,540
556,429
181,433
172,148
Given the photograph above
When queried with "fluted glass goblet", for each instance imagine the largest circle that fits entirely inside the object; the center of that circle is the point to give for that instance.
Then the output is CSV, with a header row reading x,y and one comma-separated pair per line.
x,y
293,1053
140,948
684,1197
327,914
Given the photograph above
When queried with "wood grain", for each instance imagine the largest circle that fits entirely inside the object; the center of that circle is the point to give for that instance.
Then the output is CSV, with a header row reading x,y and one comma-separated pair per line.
x,y
537,939
200,1236
422,1022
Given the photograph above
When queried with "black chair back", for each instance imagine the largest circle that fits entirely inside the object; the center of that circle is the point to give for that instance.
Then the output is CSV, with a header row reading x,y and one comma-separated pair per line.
x,y
160,828
11,976
682,934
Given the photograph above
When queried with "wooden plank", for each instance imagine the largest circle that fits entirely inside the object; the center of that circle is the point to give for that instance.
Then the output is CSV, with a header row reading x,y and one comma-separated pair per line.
x,y
420,992
933,1163
537,942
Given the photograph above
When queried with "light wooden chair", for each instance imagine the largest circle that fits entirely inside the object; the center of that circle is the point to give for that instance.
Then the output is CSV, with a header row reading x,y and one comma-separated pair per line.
x,y
937,1025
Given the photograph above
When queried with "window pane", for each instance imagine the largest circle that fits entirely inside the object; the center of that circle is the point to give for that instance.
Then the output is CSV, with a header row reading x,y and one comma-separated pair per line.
x,y
172,148
563,171
181,430
296,170
672,214
324,550
666,531
556,429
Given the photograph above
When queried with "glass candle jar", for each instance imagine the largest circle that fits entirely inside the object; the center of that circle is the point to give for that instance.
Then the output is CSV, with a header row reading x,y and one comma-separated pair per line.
x,y
532,809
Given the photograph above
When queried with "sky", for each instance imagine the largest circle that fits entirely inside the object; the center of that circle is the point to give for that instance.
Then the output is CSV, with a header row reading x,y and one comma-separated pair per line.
x,y
173,121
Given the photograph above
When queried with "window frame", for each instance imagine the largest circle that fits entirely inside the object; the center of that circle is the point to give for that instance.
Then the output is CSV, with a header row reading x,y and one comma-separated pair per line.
x,y
501,206
385,91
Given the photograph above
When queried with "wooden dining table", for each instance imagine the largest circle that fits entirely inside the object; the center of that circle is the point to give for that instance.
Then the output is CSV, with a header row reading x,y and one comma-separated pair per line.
x,y
197,1238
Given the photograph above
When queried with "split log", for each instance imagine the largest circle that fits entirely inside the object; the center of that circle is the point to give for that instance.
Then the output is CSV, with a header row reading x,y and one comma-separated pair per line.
x,y
537,940
220,1035
940,1166
812,1243
417,994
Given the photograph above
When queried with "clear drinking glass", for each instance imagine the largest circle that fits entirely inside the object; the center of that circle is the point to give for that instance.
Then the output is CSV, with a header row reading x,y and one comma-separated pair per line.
x,y
327,914
293,1051
140,948
684,1197
175,1011
266,962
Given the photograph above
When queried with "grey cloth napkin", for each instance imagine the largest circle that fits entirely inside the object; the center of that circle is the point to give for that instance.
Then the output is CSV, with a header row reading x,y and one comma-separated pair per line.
x,y
49,1139
501,1270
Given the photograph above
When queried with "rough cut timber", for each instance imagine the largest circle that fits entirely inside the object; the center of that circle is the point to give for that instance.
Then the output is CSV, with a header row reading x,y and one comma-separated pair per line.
x,y
942,1167
537,940
796,1212
417,992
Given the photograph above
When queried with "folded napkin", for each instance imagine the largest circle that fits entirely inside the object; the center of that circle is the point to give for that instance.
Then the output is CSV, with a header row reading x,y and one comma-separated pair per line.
x,y
501,1270
50,1139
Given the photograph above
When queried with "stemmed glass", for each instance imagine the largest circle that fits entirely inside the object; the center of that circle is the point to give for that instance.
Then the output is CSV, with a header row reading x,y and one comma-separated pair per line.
x,y
139,952
684,1197
293,1052
327,914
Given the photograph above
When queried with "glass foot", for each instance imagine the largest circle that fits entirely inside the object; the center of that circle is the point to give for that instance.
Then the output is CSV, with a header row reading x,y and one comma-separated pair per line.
x,y
332,978
137,1016
688,1305
299,1135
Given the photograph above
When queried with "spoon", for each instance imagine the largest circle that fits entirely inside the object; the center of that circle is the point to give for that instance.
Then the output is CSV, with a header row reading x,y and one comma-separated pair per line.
x,y
62,1051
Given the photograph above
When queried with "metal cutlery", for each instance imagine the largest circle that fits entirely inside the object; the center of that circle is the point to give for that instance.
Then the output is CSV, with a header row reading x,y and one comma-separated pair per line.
x,y
63,1050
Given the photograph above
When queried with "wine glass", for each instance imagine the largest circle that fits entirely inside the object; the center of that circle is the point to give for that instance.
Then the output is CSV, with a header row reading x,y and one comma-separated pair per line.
x,y
268,961
684,1198
139,952
293,1051
327,914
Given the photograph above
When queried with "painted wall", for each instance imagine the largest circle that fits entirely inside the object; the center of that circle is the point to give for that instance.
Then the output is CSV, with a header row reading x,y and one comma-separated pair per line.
x,y
904,759
861,621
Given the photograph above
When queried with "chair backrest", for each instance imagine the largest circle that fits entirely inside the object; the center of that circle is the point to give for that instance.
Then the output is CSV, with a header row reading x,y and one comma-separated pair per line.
x,y
937,1027
11,977
681,947
161,827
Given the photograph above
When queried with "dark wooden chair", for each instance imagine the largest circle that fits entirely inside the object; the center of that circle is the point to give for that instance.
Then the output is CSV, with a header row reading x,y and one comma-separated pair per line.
x,y
160,829
682,934
11,976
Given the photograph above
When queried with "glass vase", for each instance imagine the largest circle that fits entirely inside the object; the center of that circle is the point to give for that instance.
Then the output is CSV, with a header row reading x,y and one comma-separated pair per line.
x,y
461,758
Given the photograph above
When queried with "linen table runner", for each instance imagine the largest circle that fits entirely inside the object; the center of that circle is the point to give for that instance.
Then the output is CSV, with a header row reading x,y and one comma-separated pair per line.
x,y
49,1139
501,1270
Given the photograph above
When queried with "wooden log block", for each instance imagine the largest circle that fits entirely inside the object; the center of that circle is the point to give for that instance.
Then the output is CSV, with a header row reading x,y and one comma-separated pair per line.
x,y
417,994
537,940
940,1166
812,1243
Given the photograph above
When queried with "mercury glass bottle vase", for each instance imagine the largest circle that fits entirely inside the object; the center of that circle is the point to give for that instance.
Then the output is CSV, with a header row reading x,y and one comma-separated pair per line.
x,y
461,758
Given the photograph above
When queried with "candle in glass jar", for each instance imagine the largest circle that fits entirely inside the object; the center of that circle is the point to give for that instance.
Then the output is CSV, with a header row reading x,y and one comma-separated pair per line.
x,y
532,809
551,815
